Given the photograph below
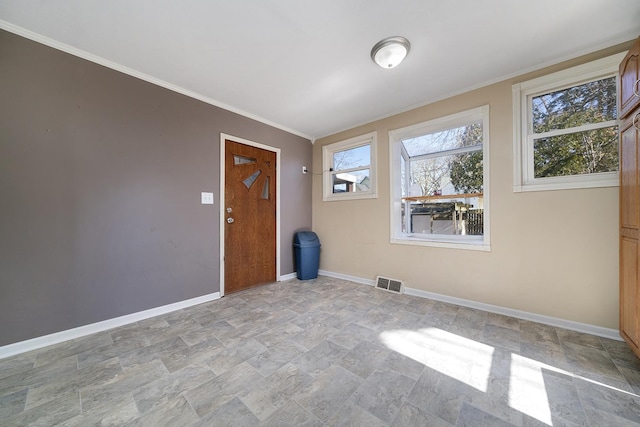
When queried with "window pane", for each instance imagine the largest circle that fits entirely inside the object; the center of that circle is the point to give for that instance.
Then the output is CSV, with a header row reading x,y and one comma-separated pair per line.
x,y
243,160
352,182
265,190
403,181
352,158
441,176
464,136
438,192
447,217
592,102
248,181
577,153
460,173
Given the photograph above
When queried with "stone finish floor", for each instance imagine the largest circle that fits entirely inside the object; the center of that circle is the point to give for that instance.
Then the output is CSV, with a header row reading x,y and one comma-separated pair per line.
x,y
325,352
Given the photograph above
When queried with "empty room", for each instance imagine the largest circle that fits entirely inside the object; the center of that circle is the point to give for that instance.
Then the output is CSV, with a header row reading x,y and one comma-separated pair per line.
x,y
337,213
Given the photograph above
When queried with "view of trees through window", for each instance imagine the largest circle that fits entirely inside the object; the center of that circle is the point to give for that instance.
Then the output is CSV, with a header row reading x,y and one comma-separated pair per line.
x,y
574,130
351,170
437,165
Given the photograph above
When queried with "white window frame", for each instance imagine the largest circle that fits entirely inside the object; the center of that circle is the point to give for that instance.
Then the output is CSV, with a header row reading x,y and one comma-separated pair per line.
x,y
328,172
523,167
479,243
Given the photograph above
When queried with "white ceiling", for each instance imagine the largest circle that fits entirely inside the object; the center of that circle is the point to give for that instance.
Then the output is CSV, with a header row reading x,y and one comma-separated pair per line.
x,y
304,65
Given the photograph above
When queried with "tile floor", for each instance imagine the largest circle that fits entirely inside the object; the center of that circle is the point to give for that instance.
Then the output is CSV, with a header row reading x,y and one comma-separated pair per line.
x,y
325,352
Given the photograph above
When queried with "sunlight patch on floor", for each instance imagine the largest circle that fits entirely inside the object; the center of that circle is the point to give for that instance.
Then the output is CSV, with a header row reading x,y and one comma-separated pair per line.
x,y
465,360
470,362
527,391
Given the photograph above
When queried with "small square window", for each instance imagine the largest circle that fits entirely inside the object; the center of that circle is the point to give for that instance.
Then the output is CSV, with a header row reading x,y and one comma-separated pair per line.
x,y
349,169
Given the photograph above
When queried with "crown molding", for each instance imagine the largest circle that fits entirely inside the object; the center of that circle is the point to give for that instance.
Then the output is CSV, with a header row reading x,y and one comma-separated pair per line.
x,y
28,34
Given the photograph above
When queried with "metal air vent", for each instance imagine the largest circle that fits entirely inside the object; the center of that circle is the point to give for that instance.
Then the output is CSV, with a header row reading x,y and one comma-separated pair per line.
x,y
390,285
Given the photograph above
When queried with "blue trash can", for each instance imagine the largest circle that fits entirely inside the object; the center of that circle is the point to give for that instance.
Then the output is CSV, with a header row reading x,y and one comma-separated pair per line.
x,y
307,249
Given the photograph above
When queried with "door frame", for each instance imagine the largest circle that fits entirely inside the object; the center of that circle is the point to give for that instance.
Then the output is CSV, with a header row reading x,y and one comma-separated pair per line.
x,y
223,138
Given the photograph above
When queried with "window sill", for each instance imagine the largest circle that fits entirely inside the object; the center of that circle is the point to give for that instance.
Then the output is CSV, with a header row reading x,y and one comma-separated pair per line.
x,y
349,196
608,179
472,244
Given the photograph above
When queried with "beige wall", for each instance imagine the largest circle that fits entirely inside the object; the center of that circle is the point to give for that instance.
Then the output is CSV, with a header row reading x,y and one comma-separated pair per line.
x,y
553,253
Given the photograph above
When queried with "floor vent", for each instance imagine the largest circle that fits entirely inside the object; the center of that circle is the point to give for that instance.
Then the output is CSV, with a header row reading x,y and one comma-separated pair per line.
x,y
390,285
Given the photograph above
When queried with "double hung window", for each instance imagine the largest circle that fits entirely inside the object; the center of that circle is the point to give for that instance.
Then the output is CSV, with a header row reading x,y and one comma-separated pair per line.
x,y
349,169
566,129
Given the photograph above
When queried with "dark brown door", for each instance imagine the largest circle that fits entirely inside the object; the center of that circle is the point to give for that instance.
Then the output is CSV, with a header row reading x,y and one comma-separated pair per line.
x,y
250,217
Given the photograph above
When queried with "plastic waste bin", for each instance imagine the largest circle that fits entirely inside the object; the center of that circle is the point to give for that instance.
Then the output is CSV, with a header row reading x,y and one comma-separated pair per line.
x,y
307,249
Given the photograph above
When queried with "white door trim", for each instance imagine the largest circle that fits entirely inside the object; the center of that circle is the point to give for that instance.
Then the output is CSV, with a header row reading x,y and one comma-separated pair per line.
x,y
223,138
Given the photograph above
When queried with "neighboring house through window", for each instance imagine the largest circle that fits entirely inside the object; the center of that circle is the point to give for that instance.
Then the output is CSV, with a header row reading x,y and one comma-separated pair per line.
x,y
349,169
440,182
566,128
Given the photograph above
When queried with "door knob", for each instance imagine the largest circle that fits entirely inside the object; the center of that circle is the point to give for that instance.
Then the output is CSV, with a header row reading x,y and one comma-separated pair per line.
x,y
229,210
229,220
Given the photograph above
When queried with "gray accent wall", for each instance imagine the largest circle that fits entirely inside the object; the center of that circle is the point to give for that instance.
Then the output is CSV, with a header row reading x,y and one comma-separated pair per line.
x,y
100,182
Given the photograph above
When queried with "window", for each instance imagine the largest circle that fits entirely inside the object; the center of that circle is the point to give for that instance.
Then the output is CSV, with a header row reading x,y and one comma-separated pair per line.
x,y
349,169
566,128
440,182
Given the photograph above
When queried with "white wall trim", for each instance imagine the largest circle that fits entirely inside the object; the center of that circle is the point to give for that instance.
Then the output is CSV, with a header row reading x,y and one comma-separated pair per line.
x,y
137,74
355,279
524,179
223,138
58,337
397,152
328,151
525,315
81,331
287,277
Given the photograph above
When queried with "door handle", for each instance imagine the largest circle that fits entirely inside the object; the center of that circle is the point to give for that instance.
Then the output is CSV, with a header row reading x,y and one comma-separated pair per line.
x,y
230,220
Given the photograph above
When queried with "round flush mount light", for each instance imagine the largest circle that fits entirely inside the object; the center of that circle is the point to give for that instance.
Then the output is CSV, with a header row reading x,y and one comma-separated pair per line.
x,y
390,52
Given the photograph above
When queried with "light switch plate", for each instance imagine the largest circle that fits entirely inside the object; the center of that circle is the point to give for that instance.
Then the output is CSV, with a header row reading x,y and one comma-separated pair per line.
x,y
207,198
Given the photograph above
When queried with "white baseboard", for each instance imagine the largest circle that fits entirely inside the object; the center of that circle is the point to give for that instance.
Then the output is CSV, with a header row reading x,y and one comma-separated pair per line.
x,y
347,277
525,315
58,337
287,277
69,334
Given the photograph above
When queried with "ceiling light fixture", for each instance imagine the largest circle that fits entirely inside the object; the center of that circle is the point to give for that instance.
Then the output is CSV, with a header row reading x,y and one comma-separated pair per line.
x,y
390,52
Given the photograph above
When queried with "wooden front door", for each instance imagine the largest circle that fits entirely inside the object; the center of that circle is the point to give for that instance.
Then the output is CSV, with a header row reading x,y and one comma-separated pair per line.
x,y
250,217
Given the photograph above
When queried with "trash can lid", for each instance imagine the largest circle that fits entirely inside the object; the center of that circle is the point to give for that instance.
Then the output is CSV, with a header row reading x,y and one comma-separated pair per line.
x,y
306,238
